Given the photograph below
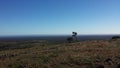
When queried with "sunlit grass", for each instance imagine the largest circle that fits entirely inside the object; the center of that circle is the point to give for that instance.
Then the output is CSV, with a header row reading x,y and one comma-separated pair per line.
x,y
86,54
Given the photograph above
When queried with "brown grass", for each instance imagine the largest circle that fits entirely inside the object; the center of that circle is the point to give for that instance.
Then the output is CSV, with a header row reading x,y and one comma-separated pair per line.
x,y
87,54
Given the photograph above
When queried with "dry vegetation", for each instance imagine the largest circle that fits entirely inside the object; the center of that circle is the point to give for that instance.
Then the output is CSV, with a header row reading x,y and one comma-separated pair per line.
x,y
40,54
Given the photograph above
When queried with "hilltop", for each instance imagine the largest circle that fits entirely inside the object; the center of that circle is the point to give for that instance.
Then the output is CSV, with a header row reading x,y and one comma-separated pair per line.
x,y
42,54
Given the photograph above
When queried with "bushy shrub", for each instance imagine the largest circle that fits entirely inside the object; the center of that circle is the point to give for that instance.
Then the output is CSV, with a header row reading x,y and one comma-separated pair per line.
x,y
69,39
116,37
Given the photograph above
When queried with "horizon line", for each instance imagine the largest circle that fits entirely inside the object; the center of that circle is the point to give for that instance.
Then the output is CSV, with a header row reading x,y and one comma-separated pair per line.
x,y
52,34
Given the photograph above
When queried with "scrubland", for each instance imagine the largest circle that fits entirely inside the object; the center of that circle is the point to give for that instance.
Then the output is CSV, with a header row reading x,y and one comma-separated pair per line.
x,y
42,54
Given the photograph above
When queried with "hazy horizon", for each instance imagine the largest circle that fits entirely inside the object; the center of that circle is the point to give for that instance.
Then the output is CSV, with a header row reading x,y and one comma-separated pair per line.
x,y
55,38
59,17
45,35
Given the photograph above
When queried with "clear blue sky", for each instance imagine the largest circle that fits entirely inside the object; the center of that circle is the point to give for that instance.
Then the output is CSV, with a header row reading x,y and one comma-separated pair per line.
x,y
39,17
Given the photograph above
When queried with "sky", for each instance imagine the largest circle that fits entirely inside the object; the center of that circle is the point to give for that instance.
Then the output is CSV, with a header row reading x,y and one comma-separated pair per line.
x,y
59,17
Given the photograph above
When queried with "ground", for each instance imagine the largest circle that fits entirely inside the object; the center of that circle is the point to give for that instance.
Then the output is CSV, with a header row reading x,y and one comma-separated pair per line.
x,y
42,54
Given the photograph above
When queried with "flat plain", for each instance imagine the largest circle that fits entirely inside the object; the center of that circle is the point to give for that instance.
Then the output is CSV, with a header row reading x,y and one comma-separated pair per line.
x,y
42,54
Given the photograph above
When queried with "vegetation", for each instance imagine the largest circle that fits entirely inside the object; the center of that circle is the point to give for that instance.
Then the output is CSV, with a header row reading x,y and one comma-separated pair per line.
x,y
70,39
73,38
116,37
41,54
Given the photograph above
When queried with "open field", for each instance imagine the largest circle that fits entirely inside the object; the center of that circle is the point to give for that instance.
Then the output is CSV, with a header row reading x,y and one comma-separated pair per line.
x,y
41,54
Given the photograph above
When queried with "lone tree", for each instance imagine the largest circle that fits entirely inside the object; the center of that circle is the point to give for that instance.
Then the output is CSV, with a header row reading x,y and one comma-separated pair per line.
x,y
73,38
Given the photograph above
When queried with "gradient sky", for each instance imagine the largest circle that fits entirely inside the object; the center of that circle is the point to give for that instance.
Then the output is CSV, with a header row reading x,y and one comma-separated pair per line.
x,y
47,17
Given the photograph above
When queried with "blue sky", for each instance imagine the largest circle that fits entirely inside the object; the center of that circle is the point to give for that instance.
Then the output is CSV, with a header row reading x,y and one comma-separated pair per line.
x,y
49,17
